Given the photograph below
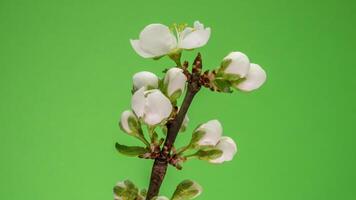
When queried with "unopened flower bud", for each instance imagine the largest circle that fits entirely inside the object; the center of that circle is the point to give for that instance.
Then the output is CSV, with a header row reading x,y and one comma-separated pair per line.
x,y
228,148
174,82
144,79
151,106
253,80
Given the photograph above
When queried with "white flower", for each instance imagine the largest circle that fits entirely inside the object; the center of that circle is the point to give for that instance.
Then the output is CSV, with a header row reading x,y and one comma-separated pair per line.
x,y
175,81
128,119
145,79
228,148
151,106
254,79
157,40
212,132
239,64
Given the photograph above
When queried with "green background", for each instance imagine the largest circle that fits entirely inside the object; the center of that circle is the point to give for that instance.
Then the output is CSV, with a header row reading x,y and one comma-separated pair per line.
x,y
65,78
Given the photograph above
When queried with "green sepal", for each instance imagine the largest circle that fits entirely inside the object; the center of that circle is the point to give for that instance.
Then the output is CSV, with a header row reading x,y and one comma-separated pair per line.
x,y
143,192
224,64
197,135
131,150
158,57
128,192
134,124
175,95
186,190
223,85
208,153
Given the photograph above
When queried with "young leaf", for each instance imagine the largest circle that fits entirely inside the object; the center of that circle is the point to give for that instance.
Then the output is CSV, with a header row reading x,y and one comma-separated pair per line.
x,y
130,150
186,190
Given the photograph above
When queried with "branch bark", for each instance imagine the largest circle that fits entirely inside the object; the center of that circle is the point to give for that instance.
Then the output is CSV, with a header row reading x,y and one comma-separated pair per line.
x,y
160,164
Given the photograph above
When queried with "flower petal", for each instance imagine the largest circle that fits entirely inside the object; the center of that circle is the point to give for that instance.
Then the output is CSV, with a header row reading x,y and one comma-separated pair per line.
x,y
144,79
195,39
240,64
124,121
136,46
229,149
157,108
138,102
176,79
254,78
213,131
157,40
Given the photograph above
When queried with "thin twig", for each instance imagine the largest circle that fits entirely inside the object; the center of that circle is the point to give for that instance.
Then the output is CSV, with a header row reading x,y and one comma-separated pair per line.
x,y
160,165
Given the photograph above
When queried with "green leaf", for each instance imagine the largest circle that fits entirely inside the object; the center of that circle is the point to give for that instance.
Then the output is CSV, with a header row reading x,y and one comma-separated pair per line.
x,y
186,190
130,150
208,154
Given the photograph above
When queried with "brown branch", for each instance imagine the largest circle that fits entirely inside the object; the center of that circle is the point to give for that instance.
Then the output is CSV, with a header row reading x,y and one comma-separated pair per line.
x,y
160,165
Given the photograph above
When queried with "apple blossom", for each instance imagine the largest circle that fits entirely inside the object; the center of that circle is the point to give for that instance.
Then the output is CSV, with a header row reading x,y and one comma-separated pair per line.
x,y
253,80
228,148
157,40
145,79
211,132
174,82
151,106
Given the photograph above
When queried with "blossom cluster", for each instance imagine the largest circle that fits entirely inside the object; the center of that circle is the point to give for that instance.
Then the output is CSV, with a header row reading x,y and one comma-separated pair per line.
x,y
154,101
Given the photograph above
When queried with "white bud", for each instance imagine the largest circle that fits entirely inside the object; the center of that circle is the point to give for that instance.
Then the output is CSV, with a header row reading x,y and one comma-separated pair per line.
x,y
239,64
151,106
228,148
128,122
212,131
174,81
254,79
145,79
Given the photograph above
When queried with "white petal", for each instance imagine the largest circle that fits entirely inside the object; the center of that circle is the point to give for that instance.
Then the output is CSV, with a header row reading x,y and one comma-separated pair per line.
x,y
213,131
198,25
157,108
176,79
124,120
157,40
254,78
229,149
138,102
136,46
194,39
240,64
144,79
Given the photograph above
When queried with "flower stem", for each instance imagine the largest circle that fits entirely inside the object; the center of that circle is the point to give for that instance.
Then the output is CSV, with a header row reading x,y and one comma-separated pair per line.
x,y
160,165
